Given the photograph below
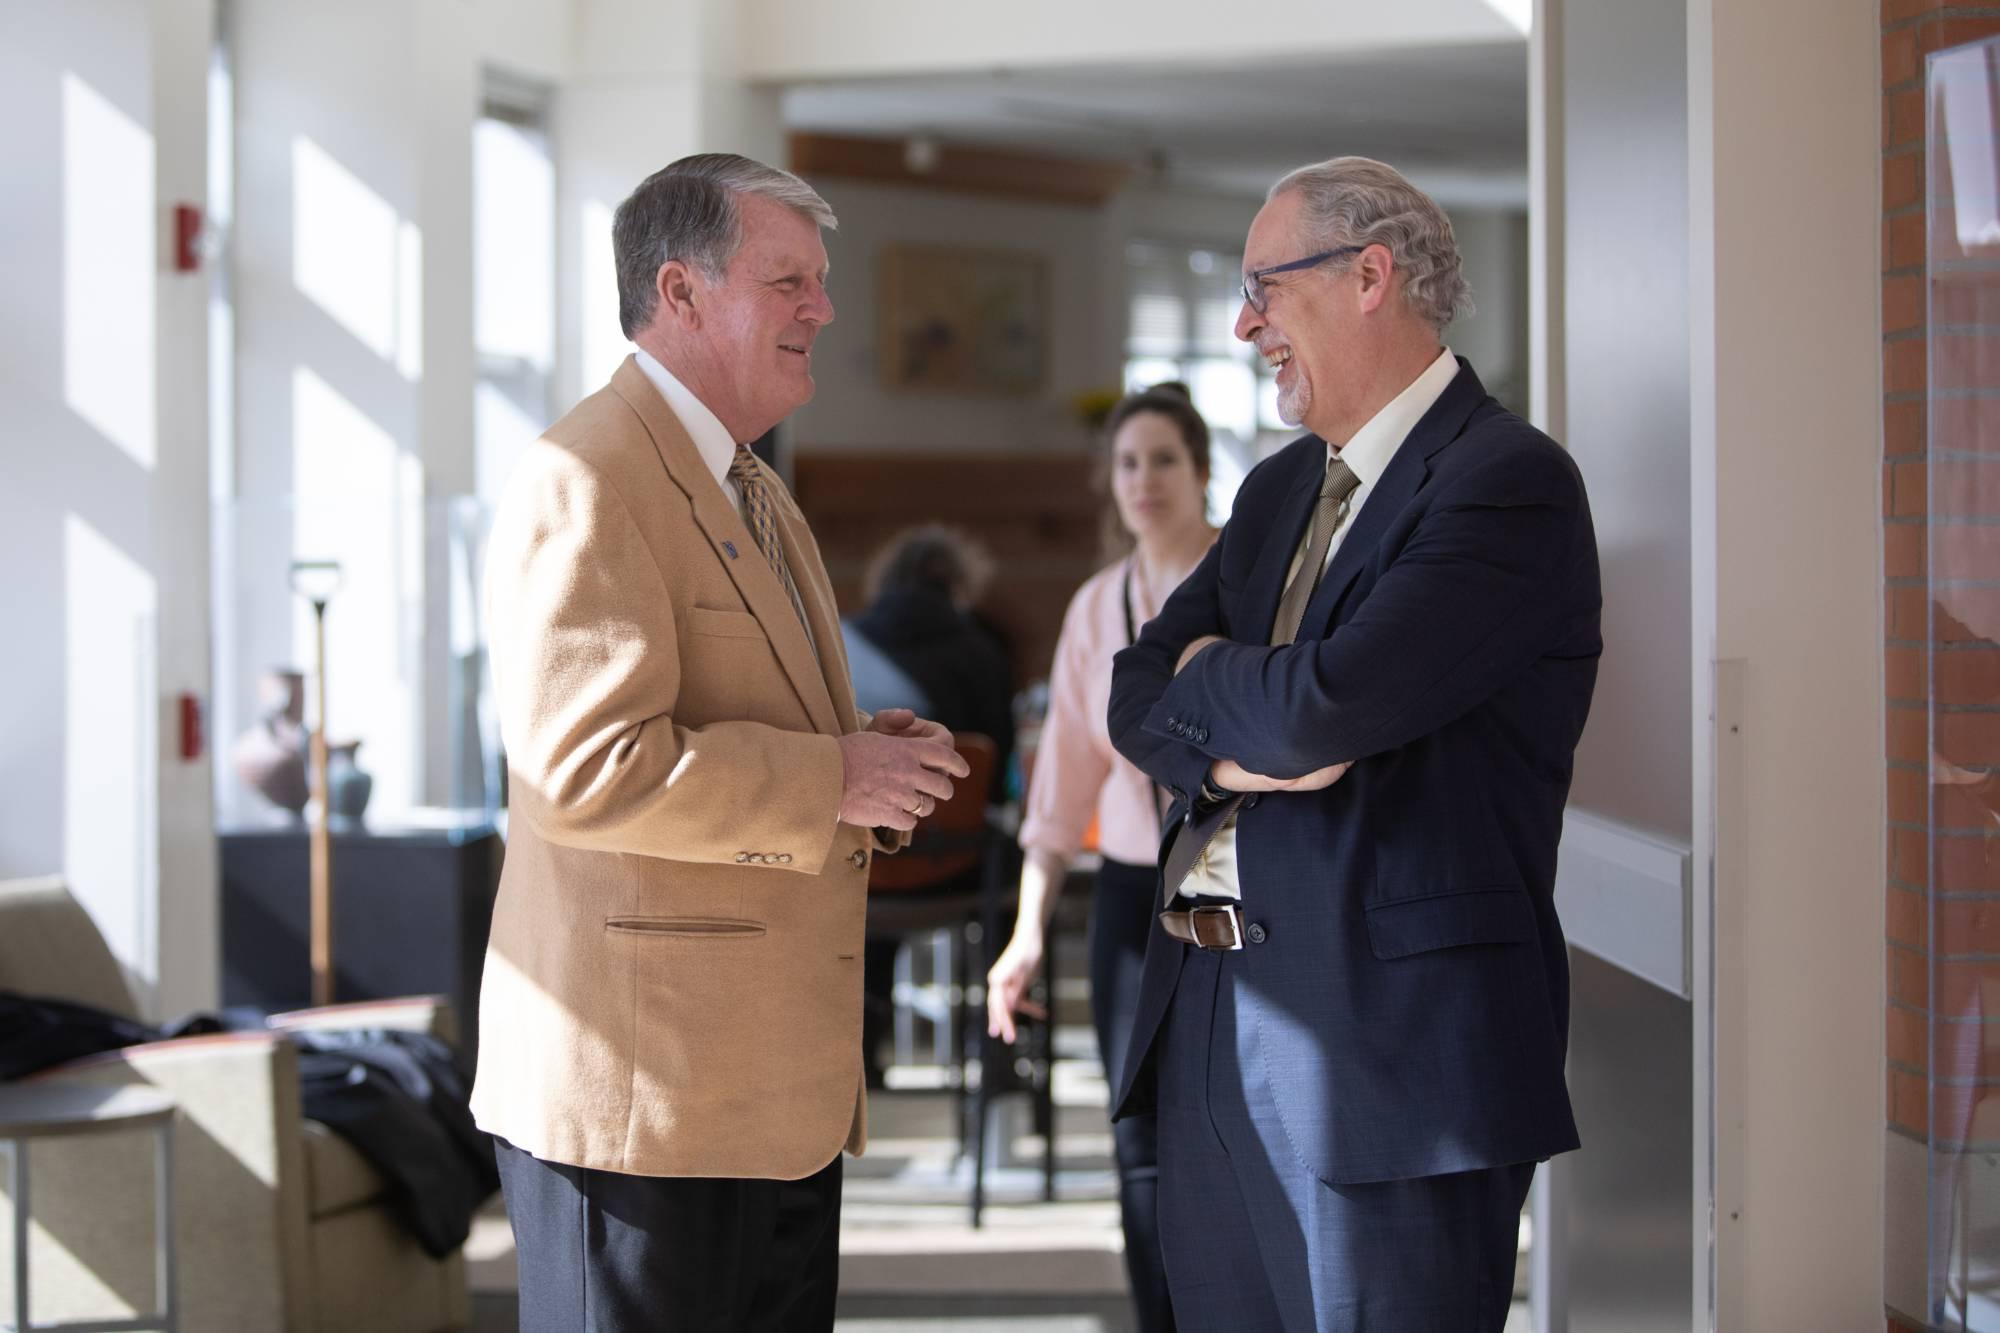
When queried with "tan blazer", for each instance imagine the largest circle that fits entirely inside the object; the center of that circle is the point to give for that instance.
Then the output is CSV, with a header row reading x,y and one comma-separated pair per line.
x,y
673,984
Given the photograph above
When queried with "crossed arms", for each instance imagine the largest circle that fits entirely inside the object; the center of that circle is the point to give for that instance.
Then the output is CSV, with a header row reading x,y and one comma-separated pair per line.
x,y
1473,597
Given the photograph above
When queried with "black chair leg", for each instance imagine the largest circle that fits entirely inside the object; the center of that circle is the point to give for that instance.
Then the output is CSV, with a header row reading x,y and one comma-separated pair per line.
x,y
1045,1097
983,1102
961,1046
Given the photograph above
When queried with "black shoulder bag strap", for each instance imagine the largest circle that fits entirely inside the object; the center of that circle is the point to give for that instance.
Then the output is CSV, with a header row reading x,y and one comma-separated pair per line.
x,y
1160,799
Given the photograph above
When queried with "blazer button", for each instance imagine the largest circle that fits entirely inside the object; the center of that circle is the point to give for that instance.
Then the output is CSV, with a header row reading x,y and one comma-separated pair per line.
x,y
742,858
1256,933
858,860
784,858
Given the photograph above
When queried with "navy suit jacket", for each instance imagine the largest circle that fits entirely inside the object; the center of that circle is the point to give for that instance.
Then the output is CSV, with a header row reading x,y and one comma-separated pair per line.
x,y
1409,981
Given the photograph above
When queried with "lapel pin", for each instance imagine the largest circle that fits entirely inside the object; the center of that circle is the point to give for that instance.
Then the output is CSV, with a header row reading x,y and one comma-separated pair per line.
x,y
731,548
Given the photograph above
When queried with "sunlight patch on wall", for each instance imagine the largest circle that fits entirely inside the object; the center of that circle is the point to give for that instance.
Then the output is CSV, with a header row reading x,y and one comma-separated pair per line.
x,y
356,259
110,740
107,258
1520,14
358,501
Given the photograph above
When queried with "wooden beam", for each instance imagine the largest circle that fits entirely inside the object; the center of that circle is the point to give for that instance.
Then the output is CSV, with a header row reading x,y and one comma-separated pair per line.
x,y
994,171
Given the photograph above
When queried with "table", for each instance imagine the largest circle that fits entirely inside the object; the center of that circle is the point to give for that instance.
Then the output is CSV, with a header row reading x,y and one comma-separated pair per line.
x,y
56,1109
411,911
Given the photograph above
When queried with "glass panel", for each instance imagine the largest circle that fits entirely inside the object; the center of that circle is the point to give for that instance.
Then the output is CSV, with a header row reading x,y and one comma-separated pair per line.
x,y
1949,621
1225,393
1159,324
1267,404
1145,371
406,674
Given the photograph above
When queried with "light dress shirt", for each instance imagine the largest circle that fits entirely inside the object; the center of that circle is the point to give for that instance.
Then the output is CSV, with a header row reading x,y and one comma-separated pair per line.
x,y
1368,454
712,442
1077,773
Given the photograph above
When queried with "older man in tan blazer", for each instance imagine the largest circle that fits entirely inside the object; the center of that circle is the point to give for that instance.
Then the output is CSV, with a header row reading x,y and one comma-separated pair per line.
x,y
670,1023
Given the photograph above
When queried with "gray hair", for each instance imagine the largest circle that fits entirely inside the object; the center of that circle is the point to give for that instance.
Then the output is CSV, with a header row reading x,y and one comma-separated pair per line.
x,y
1361,202
688,211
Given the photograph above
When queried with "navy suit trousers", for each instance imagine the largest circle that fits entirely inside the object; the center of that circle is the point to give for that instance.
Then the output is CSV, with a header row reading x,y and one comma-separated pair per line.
x,y
1256,1243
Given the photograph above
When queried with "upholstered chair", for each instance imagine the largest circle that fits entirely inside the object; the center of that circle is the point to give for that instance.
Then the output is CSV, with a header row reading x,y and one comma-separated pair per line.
x,y
280,1225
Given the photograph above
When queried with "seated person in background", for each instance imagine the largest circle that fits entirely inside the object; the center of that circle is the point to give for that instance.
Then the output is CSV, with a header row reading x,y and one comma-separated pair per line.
x,y
916,642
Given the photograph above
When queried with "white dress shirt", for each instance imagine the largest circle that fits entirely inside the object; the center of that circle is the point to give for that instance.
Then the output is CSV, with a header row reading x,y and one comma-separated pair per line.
x,y
710,436
717,449
1368,454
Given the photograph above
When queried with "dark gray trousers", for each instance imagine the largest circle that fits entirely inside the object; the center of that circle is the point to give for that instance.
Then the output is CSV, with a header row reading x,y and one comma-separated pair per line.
x,y
603,1252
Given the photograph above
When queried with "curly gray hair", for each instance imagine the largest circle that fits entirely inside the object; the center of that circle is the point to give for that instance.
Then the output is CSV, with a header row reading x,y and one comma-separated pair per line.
x,y
1359,201
687,211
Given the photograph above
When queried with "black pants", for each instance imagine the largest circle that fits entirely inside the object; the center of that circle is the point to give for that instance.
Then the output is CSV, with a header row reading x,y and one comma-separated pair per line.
x,y
604,1252
1121,915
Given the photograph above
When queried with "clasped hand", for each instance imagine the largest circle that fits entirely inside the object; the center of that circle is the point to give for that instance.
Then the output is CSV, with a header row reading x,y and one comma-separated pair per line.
x,y
1232,776
896,772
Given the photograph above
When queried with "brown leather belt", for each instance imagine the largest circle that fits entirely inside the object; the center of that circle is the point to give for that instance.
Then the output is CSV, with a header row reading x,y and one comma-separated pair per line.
x,y
1218,926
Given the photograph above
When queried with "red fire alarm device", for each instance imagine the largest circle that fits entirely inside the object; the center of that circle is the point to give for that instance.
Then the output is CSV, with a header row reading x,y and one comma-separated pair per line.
x,y
187,238
191,737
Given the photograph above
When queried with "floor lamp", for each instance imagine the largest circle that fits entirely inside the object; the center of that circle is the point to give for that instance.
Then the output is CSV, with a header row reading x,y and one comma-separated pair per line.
x,y
317,581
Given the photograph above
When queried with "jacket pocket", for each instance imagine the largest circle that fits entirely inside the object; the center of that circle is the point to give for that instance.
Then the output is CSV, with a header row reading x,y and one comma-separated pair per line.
x,y
1448,920
724,624
692,927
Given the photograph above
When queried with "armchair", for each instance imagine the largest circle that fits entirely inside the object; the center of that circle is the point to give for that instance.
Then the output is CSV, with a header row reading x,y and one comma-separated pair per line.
x,y
280,1225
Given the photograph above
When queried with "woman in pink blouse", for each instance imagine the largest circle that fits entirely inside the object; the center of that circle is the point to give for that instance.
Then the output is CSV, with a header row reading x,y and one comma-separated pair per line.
x,y
1158,470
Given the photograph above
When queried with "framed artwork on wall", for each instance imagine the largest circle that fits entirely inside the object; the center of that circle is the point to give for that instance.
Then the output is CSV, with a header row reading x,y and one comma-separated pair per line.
x,y
970,321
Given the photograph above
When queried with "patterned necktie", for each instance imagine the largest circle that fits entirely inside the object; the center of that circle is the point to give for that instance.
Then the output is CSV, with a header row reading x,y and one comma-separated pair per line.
x,y
748,475
1328,515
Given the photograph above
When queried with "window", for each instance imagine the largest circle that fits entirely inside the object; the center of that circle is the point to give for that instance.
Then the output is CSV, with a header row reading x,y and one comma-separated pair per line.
x,y
1181,326
1184,303
514,276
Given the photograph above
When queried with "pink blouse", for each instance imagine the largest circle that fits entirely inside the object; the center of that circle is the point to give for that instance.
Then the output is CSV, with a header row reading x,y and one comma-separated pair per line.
x,y
1076,772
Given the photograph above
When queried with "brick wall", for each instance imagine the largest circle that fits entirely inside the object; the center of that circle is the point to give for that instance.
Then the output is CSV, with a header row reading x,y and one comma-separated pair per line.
x,y
1943,935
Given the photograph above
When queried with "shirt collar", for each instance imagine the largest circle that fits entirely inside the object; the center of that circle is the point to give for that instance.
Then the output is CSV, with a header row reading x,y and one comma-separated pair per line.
x,y
1369,452
710,436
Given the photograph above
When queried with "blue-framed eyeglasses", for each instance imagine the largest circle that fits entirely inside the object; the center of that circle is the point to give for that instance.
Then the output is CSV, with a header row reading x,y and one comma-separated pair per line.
x,y
1253,281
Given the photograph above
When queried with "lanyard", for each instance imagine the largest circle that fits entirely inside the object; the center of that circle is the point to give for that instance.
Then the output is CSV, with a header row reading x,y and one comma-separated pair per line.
x,y
1160,803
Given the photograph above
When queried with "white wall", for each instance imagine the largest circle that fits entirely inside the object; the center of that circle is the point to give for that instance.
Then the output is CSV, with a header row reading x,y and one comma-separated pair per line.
x,y
1084,249
1493,244
1785,125
534,38
103,517
808,39
650,82
1084,264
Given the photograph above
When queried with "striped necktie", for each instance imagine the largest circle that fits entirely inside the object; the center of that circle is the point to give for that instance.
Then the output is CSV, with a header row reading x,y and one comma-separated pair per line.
x,y
748,474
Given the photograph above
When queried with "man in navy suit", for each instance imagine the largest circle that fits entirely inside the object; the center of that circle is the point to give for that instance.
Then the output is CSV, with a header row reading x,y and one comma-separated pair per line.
x,y
1366,700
